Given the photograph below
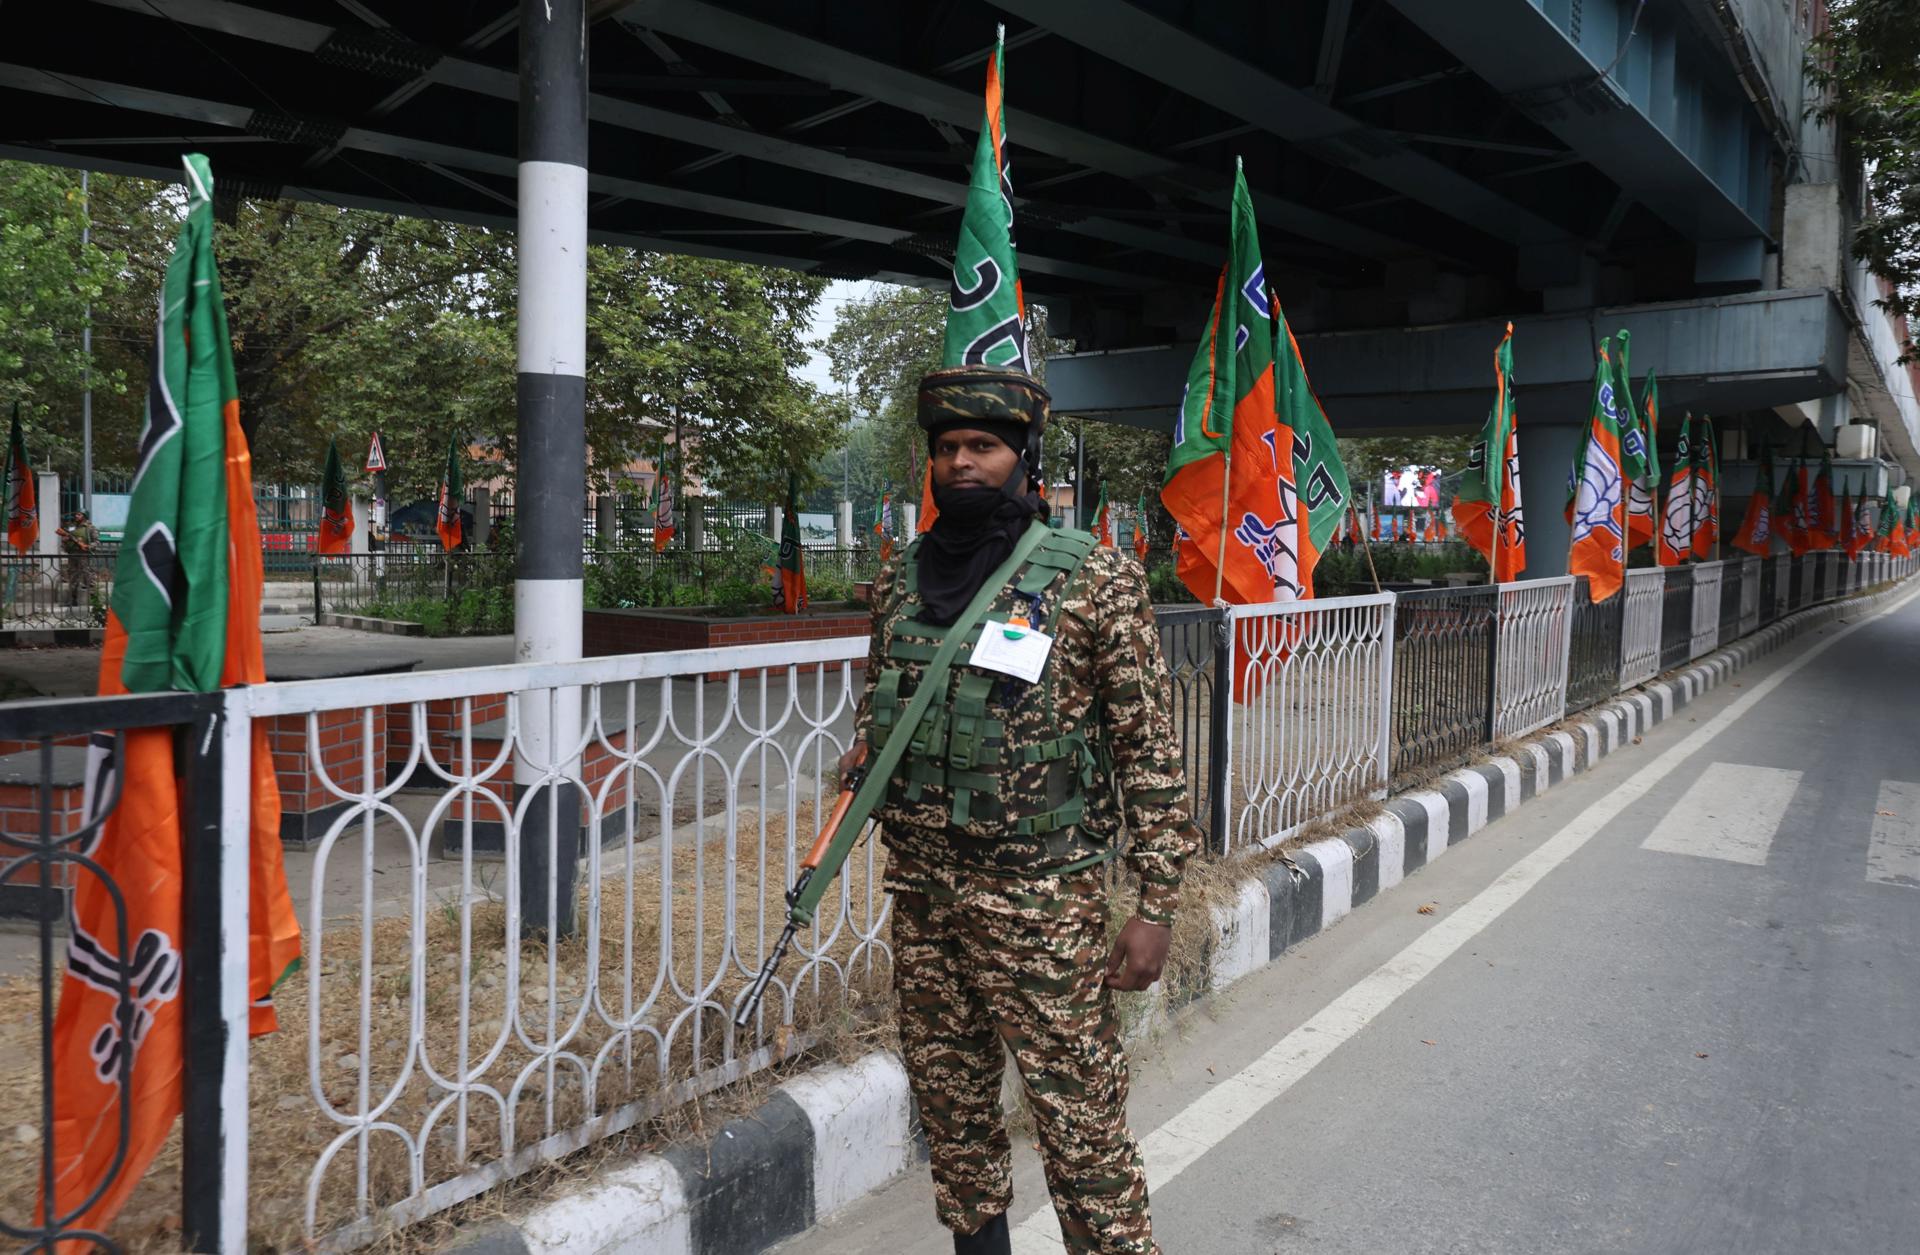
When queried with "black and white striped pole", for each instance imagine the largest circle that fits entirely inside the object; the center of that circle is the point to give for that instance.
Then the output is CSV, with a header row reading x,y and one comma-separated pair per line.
x,y
550,484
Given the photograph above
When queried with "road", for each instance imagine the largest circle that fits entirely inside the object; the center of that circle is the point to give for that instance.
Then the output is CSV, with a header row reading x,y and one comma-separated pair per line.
x,y
1669,1007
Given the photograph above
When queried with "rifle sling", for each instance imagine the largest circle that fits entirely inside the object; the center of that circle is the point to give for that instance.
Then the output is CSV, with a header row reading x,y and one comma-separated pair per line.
x,y
880,770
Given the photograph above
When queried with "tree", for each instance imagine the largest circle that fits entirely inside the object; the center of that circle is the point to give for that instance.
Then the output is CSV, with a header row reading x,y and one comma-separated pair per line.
x,y
707,350
48,279
1868,65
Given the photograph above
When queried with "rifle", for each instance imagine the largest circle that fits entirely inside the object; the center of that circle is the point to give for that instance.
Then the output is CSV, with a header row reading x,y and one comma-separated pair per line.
x,y
800,914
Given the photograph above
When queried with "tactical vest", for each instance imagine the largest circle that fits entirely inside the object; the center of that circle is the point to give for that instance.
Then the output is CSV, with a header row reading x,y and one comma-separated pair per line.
x,y
979,767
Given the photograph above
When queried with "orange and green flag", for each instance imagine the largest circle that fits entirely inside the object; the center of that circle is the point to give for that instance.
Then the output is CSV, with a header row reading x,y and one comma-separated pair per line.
x,y
1677,521
185,615
1310,454
23,500
1140,528
1863,524
336,512
1487,506
793,571
1597,508
1706,490
447,508
1756,529
1103,518
1639,445
1224,484
986,309
663,524
1824,531
883,521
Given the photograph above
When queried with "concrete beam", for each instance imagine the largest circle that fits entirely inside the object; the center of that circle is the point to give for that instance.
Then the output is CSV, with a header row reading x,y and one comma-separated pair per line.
x,y
1746,352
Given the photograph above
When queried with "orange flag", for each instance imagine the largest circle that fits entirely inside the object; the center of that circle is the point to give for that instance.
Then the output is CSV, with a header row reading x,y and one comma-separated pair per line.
x,y
185,615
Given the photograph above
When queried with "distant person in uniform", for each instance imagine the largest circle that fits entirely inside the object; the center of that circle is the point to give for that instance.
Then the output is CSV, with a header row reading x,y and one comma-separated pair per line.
x,y
78,540
1002,815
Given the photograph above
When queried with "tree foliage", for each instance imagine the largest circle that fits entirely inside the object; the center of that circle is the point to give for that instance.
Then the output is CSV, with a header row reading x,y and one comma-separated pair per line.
x,y
1868,64
346,321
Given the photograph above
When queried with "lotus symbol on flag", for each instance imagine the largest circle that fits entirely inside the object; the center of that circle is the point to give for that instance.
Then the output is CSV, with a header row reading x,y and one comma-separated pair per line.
x,y
1599,496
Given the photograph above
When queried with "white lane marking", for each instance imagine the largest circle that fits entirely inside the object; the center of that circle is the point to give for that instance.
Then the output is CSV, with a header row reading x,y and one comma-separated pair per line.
x,y
1729,812
1893,857
1216,1115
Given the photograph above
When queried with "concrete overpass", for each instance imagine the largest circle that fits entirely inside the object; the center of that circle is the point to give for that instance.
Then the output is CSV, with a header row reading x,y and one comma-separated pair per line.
x,y
1424,170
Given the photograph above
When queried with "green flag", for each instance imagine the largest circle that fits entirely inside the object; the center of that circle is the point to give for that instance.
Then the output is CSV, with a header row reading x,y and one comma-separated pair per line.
x,y
986,321
1639,455
1318,473
170,582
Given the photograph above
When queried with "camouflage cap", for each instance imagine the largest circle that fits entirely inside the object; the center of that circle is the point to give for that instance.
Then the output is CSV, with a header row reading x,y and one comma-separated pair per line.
x,y
992,398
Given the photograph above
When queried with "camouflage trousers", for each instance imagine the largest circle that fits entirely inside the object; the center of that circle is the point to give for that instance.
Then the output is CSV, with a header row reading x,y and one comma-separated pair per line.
x,y
985,966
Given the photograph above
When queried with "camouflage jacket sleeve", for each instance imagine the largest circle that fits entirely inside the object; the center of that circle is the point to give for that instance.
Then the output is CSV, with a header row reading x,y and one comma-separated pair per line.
x,y
1137,695
881,598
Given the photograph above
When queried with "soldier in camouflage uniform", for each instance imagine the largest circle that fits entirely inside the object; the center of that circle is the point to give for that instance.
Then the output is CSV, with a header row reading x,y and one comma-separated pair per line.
x,y
1000,817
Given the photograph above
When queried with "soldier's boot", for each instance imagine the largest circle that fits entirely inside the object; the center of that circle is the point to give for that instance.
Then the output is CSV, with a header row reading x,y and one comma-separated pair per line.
x,y
992,1238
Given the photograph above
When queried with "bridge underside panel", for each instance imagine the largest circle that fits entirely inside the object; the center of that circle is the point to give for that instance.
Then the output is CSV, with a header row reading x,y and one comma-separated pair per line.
x,y
1724,355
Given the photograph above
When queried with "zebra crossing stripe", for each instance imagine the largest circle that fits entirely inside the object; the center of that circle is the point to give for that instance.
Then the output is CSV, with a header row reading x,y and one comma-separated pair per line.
x,y
1893,856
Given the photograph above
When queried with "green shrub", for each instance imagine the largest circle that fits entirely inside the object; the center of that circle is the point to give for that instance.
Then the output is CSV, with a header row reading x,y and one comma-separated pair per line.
x,y
737,596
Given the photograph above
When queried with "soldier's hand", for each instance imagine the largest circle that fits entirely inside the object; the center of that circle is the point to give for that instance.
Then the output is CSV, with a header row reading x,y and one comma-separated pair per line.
x,y
855,755
1139,952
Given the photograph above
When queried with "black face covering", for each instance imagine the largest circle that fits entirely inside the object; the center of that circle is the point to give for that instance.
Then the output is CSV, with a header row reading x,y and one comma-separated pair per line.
x,y
975,531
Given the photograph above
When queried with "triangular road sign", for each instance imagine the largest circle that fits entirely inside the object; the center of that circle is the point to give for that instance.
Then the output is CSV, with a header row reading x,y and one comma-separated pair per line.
x,y
376,456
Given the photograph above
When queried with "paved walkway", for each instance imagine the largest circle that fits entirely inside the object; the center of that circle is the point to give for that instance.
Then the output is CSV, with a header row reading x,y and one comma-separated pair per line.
x,y
294,649
1668,1007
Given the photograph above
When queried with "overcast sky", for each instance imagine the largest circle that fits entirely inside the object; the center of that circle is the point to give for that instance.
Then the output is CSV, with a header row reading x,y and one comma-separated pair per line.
x,y
838,294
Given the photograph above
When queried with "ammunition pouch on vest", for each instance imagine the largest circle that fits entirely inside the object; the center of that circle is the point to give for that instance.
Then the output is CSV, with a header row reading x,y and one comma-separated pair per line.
x,y
1005,806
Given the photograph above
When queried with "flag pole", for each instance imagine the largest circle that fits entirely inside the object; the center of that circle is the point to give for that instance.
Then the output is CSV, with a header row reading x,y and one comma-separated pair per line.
x,y
1366,543
1220,563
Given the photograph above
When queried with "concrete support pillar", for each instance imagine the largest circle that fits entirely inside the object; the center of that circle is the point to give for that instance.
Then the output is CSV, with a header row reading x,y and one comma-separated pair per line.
x,y
482,514
910,520
550,487
776,517
843,525
1546,459
47,486
696,522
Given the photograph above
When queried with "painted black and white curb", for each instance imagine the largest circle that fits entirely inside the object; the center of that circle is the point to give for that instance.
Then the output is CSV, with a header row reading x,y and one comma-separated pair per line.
x,y
364,623
834,1134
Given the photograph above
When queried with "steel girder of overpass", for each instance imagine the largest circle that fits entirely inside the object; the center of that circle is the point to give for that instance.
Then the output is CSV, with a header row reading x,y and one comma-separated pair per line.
x,y
835,138
1719,355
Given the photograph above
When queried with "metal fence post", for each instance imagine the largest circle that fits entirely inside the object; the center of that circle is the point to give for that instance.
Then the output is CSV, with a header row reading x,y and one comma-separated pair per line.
x,y
1220,734
1493,668
1387,637
213,1172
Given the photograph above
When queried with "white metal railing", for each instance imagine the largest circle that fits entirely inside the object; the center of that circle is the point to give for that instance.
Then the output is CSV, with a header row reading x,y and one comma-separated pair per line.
x,y
1308,731
1640,626
1708,578
451,1045
448,1046
1530,677
1749,595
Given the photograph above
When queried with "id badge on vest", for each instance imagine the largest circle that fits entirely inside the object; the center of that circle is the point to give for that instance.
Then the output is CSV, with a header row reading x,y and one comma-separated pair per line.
x,y
1012,649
